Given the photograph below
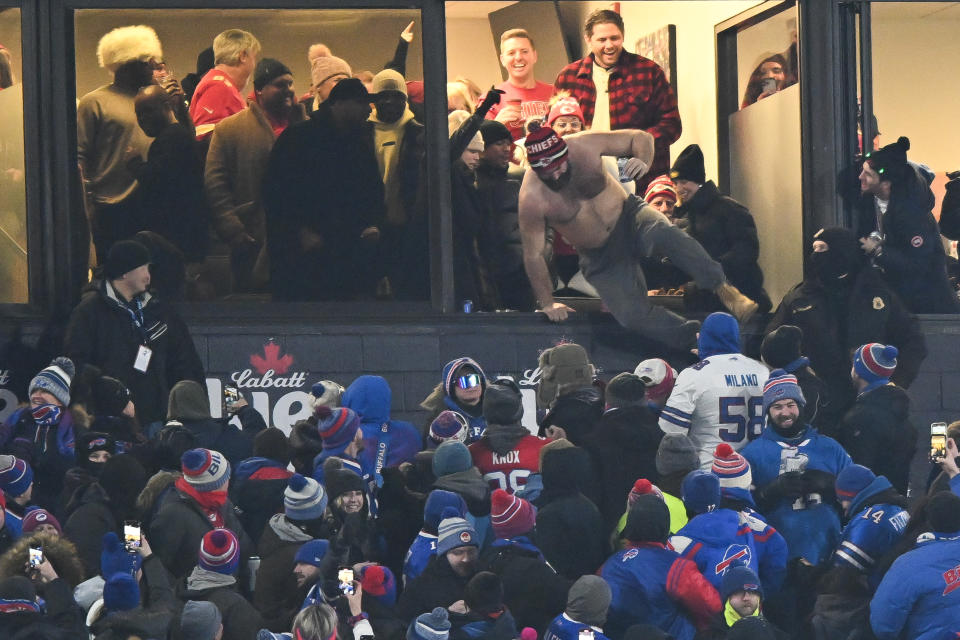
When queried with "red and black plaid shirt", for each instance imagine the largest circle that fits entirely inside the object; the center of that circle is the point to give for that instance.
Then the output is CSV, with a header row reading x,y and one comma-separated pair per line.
x,y
640,98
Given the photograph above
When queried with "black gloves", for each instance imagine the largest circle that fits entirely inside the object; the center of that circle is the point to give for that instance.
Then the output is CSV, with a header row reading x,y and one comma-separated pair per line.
x,y
787,485
492,98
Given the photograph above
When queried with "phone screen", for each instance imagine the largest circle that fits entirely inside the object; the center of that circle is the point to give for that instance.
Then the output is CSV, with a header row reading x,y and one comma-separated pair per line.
x,y
36,556
131,534
230,397
345,576
938,441
769,85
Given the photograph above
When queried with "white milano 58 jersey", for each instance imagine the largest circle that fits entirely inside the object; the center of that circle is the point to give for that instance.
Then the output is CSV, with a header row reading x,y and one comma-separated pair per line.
x,y
719,399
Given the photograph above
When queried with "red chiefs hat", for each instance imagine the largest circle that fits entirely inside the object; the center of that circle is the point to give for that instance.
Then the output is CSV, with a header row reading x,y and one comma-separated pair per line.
x,y
545,149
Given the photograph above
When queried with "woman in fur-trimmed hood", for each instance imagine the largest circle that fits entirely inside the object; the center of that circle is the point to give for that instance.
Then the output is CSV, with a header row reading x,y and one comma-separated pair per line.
x,y
59,551
464,398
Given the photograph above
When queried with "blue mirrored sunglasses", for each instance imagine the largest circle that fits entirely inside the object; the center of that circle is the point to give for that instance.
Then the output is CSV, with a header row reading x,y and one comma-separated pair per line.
x,y
468,381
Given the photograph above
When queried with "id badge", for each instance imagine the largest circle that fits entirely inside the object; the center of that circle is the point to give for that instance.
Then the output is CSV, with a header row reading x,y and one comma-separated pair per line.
x,y
142,363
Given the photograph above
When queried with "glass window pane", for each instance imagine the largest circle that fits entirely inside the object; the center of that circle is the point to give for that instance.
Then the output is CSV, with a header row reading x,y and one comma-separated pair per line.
x,y
13,209
313,221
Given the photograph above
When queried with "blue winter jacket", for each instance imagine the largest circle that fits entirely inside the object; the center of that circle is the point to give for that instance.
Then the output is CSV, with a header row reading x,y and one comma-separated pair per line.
x,y
872,531
810,527
370,397
423,547
564,628
919,597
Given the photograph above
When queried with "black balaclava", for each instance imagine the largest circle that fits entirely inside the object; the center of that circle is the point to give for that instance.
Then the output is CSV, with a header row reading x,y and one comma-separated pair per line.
x,y
839,265
90,442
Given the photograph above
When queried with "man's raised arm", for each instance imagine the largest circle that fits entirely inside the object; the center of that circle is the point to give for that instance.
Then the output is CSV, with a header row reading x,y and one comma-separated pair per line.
x,y
533,235
636,144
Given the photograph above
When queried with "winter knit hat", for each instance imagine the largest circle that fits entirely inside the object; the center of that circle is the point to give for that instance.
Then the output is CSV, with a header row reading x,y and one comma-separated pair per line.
x,y
739,578
304,499
124,257
752,628
205,469
625,390
566,106
200,620
890,162
325,67
661,187
781,386
451,457
545,148
271,443
388,80
943,512
312,553
588,600
731,468
689,165
449,425
648,520
114,558
55,380
341,481
437,502
94,441
37,517
219,552
16,476
379,582
502,403
17,594
337,427
349,89
492,132
454,532
484,593
852,480
452,371
642,487
659,377
701,491
430,626
126,44
327,393
781,346
511,516
676,454
875,362
121,592
267,71
110,396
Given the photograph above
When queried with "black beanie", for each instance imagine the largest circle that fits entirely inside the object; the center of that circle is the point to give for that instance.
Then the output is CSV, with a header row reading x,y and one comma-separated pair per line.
x,y
492,132
890,161
648,520
272,443
689,165
625,390
502,403
123,478
484,593
125,256
110,396
943,512
781,346
267,71
752,628
340,481
349,89
17,588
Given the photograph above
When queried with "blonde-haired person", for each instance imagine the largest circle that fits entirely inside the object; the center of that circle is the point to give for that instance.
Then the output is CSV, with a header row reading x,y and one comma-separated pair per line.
x,y
220,92
108,136
316,622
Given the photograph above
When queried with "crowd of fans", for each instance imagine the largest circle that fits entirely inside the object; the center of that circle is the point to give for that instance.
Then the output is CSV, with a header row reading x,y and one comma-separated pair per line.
x,y
736,498
657,504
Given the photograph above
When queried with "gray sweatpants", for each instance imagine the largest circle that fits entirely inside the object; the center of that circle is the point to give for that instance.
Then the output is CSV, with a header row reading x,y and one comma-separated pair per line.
x,y
641,232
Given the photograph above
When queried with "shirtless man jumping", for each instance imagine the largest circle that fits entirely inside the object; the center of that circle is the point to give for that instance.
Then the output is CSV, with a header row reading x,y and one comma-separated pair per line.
x,y
567,189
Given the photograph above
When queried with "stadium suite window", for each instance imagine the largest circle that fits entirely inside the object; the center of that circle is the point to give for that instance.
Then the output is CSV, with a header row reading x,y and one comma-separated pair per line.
x,y
224,233
13,210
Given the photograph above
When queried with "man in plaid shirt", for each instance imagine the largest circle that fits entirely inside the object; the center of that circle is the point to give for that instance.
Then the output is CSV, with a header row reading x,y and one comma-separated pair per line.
x,y
621,90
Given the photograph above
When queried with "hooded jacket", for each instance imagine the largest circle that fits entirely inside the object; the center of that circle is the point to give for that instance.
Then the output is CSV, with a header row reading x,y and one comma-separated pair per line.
x,y
370,397
878,518
257,490
437,586
59,551
442,398
240,620
877,433
275,593
90,516
570,530
716,541
190,406
61,618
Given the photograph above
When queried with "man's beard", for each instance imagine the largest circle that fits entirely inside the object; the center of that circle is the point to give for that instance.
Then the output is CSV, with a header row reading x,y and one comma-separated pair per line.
x,y
791,431
558,183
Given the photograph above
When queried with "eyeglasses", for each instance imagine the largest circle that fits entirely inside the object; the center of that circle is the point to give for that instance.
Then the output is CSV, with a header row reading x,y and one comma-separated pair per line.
x,y
469,381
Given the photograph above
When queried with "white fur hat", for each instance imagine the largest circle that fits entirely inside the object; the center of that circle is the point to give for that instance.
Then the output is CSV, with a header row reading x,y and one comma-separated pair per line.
x,y
125,44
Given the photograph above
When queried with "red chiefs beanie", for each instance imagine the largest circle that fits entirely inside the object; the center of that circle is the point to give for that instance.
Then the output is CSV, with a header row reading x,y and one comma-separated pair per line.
x,y
545,149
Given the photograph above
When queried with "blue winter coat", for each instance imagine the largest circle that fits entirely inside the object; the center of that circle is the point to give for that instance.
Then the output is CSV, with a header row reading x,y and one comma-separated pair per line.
x,y
423,548
564,628
810,527
873,531
370,397
919,597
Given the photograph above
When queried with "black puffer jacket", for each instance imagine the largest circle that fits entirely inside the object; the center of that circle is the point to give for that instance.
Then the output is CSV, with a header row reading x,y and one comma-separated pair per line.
x,y
728,233
878,434
89,517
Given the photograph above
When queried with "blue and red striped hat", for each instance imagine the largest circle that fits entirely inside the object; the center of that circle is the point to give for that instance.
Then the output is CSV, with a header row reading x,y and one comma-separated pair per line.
x,y
219,552
781,386
337,427
875,362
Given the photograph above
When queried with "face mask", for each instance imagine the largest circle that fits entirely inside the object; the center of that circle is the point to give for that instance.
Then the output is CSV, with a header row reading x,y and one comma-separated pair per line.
x,y
830,267
46,415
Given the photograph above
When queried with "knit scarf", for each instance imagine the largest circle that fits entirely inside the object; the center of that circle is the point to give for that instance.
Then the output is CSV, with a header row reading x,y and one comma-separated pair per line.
x,y
46,415
730,614
210,501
